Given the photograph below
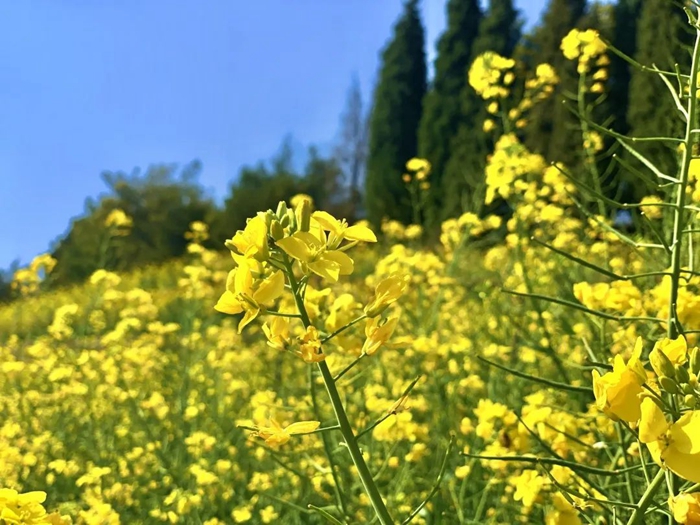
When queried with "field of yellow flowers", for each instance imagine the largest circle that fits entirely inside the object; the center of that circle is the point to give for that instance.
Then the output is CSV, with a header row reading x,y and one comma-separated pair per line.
x,y
537,368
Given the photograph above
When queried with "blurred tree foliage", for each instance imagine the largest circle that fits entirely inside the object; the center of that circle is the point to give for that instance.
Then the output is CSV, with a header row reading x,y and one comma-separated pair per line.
x,y
396,114
262,186
162,202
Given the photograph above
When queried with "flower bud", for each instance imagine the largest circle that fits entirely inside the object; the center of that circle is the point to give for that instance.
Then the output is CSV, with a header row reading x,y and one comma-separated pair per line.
x,y
695,360
303,214
661,364
268,217
276,230
669,385
690,401
281,210
687,389
682,374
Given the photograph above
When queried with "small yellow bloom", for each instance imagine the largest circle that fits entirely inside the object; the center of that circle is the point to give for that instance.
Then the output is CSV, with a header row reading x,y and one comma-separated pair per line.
x,y
277,332
245,293
416,164
386,293
340,230
674,446
310,349
617,392
312,250
378,333
275,435
686,508
251,241
489,125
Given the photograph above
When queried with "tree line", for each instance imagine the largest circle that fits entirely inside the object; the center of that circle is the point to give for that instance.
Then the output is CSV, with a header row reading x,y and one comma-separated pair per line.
x,y
442,121
409,116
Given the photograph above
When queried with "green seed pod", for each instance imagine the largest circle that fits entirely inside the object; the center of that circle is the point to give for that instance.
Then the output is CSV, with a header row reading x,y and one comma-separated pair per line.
x,y
682,374
661,364
695,360
690,401
276,230
669,385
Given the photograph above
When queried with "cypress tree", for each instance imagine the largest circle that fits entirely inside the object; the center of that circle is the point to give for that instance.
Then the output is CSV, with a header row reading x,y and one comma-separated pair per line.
x,y
662,40
499,31
626,13
551,131
445,107
396,113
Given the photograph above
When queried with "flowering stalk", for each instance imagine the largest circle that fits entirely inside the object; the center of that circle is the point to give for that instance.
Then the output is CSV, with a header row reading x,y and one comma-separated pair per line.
x,y
345,427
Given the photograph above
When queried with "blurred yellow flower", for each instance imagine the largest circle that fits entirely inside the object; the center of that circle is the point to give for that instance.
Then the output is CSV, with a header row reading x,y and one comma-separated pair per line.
x,y
276,435
685,508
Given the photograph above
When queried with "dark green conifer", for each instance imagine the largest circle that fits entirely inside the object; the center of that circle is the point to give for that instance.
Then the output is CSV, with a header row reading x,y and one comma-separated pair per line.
x,y
396,113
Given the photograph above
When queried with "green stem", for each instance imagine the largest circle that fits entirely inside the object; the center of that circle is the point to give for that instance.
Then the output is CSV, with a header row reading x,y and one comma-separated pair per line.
x,y
679,211
327,446
345,427
647,498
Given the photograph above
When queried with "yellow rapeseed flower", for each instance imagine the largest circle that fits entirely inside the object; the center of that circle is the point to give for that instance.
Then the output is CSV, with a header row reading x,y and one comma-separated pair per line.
x,y
674,446
378,333
686,508
386,293
276,435
617,392
248,294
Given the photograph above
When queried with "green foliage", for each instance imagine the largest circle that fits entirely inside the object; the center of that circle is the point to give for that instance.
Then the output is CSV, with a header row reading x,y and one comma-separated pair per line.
x,y
550,130
395,117
626,13
499,31
662,40
263,186
162,203
449,105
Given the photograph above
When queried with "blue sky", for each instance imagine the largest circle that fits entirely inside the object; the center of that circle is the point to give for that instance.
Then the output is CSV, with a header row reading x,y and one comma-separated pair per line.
x,y
95,85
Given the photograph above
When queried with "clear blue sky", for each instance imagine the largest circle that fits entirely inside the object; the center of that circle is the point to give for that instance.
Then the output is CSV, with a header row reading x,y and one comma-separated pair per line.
x,y
95,85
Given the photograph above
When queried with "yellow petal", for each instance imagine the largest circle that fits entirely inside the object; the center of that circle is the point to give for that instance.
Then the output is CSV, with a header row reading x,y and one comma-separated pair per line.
x,y
687,466
327,221
270,289
295,247
344,262
277,439
326,268
250,314
243,280
652,424
360,233
685,433
676,350
36,496
228,304
302,427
